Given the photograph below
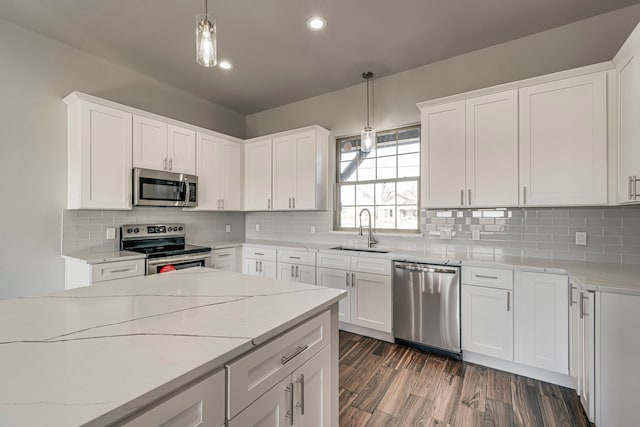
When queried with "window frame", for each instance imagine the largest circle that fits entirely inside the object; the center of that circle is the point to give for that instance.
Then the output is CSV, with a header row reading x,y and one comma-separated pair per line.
x,y
337,193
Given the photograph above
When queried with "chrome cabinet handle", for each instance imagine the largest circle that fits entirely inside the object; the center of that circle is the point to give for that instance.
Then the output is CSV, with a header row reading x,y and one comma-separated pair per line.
x,y
221,255
353,279
583,312
299,349
524,195
297,272
469,197
631,195
508,301
635,187
121,270
269,204
483,276
171,164
256,266
294,202
462,197
295,257
291,272
571,301
300,404
260,266
289,413
258,253
289,202
347,279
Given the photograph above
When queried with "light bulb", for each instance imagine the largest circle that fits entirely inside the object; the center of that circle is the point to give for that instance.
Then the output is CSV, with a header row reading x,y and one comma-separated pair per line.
x,y
367,139
206,48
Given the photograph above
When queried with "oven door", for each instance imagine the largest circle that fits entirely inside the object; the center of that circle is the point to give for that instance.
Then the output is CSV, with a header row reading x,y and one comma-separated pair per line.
x,y
158,188
180,262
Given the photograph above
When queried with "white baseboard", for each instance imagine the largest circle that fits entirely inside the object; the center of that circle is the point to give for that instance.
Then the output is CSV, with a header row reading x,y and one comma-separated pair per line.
x,y
516,368
383,336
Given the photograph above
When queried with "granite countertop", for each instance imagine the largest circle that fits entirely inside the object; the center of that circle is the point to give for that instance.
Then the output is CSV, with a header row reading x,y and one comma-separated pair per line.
x,y
100,257
92,355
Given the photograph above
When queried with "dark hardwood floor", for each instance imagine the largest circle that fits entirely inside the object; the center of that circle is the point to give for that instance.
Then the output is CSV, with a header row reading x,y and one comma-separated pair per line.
x,y
383,384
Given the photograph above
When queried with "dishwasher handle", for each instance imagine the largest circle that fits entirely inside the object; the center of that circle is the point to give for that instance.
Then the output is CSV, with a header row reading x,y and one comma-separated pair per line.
x,y
423,268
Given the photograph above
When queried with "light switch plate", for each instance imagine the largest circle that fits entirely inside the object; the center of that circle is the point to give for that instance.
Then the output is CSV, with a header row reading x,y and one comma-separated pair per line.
x,y
313,229
475,234
257,227
111,233
445,234
581,238
227,228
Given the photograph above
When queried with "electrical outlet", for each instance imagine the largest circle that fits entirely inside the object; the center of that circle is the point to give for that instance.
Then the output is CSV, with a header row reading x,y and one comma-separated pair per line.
x,y
313,229
581,238
445,234
475,234
257,227
227,228
111,233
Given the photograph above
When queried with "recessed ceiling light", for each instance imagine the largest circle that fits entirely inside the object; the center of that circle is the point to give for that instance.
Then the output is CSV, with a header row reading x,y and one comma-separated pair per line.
x,y
225,65
316,23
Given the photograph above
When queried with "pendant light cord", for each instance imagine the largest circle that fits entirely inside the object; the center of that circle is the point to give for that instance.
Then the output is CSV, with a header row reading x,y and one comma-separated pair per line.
x,y
368,103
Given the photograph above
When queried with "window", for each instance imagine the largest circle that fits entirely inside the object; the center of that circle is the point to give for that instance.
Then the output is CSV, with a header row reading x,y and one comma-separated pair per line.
x,y
385,181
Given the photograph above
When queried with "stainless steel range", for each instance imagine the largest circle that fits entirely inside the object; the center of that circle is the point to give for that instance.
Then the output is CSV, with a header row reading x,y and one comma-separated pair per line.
x,y
164,245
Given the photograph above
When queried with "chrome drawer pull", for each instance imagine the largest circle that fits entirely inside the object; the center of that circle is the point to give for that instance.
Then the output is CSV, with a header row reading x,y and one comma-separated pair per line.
x,y
122,270
295,257
221,255
286,359
482,276
258,253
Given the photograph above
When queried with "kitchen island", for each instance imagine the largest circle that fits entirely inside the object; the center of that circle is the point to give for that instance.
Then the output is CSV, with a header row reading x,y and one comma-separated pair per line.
x,y
108,353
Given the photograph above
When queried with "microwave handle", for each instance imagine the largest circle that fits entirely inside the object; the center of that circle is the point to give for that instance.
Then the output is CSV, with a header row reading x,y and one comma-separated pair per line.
x,y
187,191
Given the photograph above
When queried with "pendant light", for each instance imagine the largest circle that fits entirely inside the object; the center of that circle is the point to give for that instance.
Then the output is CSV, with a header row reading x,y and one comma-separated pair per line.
x,y
206,46
368,134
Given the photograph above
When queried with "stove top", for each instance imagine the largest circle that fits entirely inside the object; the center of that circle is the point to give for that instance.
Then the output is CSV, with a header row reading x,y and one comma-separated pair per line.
x,y
157,240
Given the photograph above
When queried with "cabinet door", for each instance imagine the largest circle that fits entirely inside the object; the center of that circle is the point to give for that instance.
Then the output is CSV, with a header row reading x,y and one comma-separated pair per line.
x,y
443,155
337,279
257,176
251,267
487,321
208,172
104,166
627,63
563,142
371,301
306,176
306,274
269,410
575,337
150,144
231,176
492,150
181,150
542,321
284,172
286,271
587,385
268,269
312,391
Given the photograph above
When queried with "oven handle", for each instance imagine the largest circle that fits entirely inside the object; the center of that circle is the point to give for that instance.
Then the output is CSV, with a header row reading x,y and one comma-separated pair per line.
x,y
171,260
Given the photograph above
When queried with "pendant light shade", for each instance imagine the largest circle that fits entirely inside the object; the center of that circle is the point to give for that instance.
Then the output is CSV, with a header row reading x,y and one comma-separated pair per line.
x,y
368,134
206,46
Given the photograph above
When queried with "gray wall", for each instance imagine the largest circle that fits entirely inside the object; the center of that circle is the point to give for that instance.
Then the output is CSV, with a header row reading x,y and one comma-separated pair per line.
x,y
36,73
582,43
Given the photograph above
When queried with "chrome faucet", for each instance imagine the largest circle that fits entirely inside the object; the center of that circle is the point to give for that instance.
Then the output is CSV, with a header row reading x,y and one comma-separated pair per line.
x,y
371,240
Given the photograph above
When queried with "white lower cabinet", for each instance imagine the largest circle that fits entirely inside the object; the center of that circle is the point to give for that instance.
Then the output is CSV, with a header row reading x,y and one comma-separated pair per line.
x,y
587,364
371,301
260,268
542,321
337,279
487,321
199,405
297,273
224,259
575,332
301,399
79,273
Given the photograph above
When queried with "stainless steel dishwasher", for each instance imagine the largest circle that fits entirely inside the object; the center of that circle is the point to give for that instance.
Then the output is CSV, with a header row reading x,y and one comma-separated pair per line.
x,y
426,307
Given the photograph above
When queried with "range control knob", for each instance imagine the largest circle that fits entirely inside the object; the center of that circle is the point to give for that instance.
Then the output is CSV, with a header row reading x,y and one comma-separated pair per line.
x,y
171,229
135,230
129,230
180,228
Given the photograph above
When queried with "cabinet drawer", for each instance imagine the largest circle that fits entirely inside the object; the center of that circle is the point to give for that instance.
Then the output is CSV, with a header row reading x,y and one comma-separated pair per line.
x,y
199,405
489,277
371,265
117,270
254,374
338,262
223,254
225,264
263,253
297,257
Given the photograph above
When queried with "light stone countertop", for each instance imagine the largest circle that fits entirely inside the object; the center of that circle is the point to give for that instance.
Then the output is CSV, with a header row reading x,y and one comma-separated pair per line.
x,y
90,356
102,257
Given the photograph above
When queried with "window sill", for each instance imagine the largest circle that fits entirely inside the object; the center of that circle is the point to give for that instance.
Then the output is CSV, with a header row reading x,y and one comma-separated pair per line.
x,y
375,233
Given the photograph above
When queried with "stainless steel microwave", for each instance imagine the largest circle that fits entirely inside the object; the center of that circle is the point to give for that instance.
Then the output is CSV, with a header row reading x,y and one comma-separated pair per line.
x,y
159,188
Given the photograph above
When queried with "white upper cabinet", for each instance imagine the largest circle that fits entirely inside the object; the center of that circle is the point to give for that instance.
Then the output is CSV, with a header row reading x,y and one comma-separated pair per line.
x,y
257,176
284,172
627,63
563,142
159,146
99,156
443,155
492,150
219,170
470,152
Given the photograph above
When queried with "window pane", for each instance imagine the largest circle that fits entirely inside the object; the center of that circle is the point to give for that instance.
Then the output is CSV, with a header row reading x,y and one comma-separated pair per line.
x,y
386,193
347,172
407,217
347,195
386,145
409,141
408,193
409,165
348,148
367,170
348,217
385,217
364,194
387,167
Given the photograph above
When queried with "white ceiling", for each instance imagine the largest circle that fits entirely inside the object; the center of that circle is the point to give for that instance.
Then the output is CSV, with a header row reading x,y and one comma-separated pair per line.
x,y
276,59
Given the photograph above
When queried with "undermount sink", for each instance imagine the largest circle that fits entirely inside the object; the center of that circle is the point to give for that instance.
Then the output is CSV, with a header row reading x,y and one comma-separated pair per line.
x,y
342,248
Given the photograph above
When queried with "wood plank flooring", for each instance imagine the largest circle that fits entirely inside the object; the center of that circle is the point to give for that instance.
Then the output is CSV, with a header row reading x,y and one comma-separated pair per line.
x,y
383,384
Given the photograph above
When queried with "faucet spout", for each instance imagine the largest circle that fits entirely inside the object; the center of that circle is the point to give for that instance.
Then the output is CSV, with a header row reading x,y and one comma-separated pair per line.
x,y
371,241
